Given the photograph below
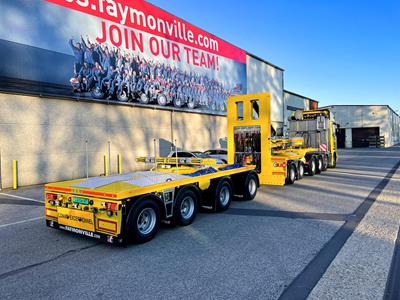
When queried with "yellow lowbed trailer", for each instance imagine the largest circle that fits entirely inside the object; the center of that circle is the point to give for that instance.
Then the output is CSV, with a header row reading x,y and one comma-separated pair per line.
x,y
130,207
249,141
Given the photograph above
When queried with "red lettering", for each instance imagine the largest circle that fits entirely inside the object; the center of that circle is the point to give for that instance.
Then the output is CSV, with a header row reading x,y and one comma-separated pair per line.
x,y
137,41
187,50
104,32
211,61
176,52
195,55
165,48
126,38
118,42
154,46
203,62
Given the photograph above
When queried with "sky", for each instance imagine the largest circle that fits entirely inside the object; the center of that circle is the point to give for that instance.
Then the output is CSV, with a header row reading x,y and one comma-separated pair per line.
x,y
337,52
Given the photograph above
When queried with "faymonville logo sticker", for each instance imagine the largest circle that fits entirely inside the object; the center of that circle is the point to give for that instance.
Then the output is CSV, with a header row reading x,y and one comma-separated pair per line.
x,y
75,218
80,231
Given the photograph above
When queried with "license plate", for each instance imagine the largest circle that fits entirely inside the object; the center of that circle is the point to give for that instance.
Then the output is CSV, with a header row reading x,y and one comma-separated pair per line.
x,y
80,200
76,218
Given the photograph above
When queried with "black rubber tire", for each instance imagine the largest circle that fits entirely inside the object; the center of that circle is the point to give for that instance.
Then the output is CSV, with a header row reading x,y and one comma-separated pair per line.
x,y
123,97
223,186
191,104
179,217
144,99
325,163
133,232
162,100
291,174
300,171
320,164
97,93
250,186
312,166
178,102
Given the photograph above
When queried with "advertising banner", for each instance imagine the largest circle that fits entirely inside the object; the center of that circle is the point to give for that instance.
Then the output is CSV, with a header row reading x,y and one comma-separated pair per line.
x,y
118,50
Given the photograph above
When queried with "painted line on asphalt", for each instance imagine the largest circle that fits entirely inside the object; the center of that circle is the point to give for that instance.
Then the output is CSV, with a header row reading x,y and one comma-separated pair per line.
x,y
21,198
20,222
392,291
304,283
288,214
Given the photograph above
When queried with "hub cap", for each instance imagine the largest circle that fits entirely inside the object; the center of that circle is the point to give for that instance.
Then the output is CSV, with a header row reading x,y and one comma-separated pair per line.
x,y
162,100
144,98
187,207
146,221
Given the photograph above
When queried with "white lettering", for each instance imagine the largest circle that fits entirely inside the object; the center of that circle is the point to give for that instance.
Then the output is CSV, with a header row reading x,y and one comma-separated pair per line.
x,y
123,10
138,17
151,21
83,3
111,8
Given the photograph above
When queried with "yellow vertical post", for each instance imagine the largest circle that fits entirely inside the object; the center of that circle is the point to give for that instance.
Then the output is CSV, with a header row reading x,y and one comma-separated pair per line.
x,y
105,165
15,177
119,164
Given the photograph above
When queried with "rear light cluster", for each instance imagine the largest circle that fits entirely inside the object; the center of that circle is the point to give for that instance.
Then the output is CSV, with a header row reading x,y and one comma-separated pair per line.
x,y
282,165
110,207
57,200
51,196
54,199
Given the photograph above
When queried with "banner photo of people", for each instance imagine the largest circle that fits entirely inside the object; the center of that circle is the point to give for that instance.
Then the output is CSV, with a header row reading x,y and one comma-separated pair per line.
x,y
118,50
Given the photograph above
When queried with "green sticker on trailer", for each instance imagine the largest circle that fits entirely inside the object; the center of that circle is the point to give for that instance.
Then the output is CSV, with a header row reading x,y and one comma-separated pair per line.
x,y
80,200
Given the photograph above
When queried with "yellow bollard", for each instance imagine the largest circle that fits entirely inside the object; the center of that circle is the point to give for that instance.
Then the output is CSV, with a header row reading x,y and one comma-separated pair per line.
x,y
119,164
15,174
105,165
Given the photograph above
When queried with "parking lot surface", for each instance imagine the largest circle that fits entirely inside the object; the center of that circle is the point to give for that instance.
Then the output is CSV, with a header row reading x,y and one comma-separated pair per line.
x,y
317,238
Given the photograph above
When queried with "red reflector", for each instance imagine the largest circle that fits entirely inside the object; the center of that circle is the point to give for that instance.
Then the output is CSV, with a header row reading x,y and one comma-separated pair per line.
x,y
51,196
111,206
283,165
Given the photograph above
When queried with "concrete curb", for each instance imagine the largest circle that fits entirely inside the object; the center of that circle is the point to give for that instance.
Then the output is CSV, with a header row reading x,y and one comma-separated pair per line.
x,y
361,268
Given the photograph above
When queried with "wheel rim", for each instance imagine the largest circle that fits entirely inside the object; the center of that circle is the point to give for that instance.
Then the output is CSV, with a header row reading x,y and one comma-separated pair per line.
x,y
301,170
146,221
252,186
313,166
187,208
123,96
224,196
162,100
144,98
178,102
320,164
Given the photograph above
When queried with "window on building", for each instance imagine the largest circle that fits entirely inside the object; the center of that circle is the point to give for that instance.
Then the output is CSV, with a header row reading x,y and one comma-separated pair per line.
x,y
255,109
239,110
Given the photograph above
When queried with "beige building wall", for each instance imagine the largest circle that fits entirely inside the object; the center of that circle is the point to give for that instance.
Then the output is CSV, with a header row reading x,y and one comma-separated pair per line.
x,y
48,136
263,77
295,101
361,116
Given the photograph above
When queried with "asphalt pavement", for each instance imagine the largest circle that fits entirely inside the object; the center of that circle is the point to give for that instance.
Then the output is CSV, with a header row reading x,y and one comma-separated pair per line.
x,y
313,239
